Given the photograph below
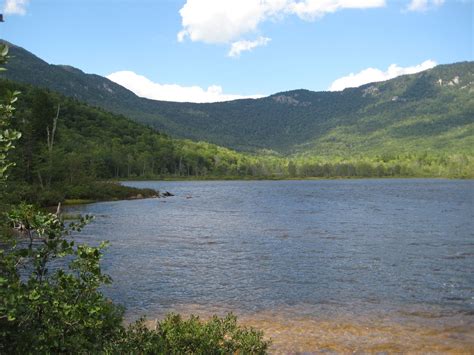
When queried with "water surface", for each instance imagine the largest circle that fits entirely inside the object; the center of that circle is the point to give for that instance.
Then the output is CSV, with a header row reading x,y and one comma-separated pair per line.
x,y
354,252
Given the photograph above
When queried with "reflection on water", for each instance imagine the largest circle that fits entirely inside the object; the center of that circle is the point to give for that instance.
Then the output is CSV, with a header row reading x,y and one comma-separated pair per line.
x,y
335,265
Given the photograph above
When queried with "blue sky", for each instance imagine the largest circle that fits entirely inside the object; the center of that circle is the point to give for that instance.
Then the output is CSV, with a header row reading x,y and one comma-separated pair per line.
x,y
210,50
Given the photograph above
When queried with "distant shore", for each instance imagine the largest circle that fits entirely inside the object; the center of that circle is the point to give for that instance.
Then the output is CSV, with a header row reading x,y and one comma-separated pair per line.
x,y
275,178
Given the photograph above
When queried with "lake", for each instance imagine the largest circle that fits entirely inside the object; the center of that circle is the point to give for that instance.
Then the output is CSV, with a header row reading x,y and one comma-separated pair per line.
x,y
338,265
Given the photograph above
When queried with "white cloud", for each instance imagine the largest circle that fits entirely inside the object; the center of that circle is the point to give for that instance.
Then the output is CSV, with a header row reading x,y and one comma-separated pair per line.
x,y
370,75
223,21
15,7
226,21
243,46
311,9
423,5
144,87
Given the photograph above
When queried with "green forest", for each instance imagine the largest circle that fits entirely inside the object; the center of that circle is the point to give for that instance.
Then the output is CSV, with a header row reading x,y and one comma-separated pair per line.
x,y
68,146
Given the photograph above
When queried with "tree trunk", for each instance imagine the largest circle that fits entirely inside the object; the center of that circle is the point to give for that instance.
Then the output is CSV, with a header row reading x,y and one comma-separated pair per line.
x,y
50,141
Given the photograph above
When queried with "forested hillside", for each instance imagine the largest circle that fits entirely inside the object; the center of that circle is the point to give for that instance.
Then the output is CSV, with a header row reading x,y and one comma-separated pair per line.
x,y
63,158
430,111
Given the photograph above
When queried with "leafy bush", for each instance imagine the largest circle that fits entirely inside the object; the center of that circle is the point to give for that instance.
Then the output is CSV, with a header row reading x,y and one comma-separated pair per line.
x,y
176,335
44,311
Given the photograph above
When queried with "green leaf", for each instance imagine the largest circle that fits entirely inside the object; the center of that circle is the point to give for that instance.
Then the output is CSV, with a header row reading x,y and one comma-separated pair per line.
x,y
34,295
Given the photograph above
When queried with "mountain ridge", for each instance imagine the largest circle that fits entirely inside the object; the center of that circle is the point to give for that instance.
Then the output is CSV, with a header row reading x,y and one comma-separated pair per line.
x,y
295,121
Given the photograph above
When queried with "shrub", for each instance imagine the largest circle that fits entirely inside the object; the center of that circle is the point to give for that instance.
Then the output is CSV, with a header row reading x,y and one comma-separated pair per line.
x,y
44,311
175,335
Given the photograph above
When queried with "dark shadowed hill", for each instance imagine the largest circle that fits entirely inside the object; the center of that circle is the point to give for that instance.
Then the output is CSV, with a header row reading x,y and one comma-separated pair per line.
x,y
431,110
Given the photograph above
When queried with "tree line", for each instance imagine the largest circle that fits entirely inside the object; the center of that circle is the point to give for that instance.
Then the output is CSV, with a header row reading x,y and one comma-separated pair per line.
x,y
67,146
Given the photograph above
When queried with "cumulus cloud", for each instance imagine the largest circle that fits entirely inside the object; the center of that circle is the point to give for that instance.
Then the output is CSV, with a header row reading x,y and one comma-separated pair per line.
x,y
15,7
226,21
144,87
423,5
223,21
370,75
243,46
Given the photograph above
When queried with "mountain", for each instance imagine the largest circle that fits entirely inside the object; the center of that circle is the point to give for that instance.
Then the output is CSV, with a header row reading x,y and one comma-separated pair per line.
x,y
429,111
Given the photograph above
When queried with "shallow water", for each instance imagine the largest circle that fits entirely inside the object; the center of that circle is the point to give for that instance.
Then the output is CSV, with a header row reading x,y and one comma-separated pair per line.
x,y
302,259
413,330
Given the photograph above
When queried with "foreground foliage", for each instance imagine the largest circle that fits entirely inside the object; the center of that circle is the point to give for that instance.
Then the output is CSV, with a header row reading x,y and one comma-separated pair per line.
x,y
50,297
191,336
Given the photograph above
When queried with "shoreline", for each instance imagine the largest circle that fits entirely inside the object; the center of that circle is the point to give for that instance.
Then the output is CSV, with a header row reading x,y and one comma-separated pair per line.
x,y
79,201
139,196
158,178
399,332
